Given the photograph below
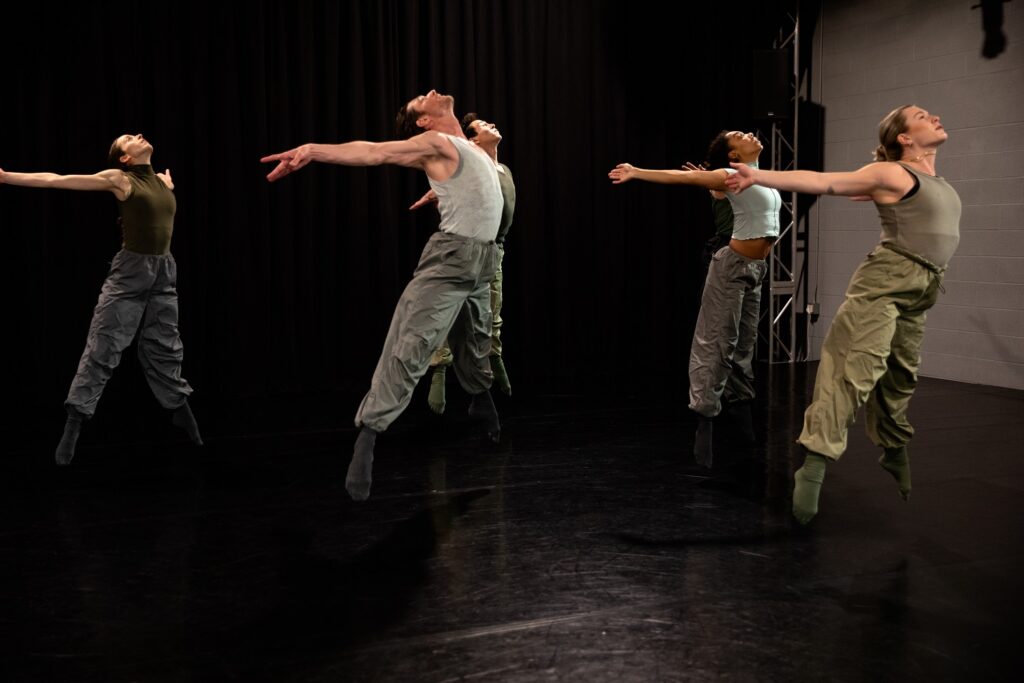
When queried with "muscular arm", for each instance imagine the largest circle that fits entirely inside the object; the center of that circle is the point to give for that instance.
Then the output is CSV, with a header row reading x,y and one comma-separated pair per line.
x,y
881,181
710,180
110,180
417,152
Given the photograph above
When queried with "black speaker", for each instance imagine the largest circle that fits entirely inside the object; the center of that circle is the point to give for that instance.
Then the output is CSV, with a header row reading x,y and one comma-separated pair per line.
x,y
772,96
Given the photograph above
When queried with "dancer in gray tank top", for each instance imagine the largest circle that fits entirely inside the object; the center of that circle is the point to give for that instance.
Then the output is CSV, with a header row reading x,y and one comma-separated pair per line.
x,y
873,347
448,294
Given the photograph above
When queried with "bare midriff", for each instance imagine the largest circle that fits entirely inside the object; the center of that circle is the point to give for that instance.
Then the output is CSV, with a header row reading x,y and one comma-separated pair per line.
x,y
756,248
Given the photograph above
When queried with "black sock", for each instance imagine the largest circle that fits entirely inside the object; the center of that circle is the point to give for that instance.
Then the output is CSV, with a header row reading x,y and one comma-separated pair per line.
x,y
184,419
702,442
66,447
481,408
360,470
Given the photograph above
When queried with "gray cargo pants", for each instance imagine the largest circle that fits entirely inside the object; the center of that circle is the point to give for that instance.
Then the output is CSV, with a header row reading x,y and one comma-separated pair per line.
x,y
449,294
722,353
139,290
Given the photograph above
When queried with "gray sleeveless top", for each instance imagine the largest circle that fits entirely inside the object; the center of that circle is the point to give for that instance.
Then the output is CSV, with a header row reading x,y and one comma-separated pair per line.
x,y
927,223
470,200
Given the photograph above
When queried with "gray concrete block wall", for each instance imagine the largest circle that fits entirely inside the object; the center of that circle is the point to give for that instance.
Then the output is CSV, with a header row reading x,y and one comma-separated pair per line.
x,y
874,55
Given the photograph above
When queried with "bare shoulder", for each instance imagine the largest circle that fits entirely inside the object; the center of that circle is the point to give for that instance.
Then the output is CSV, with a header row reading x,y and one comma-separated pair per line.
x,y
438,142
119,183
882,169
891,176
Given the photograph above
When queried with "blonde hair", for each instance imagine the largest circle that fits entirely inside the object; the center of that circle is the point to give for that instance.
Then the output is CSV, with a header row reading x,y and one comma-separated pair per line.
x,y
889,130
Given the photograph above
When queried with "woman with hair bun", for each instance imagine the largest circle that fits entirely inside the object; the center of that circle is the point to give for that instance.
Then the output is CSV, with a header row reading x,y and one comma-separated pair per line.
x,y
139,290
873,347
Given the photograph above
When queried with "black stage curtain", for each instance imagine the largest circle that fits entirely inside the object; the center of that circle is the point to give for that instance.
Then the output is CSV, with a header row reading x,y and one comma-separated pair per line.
x,y
288,288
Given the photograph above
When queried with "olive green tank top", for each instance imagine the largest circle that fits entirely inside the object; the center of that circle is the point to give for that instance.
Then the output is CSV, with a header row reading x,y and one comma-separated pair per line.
x,y
147,216
508,194
927,223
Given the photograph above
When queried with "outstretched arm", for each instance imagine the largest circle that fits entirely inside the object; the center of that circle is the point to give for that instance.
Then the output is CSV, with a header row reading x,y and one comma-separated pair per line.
x,y
412,153
429,198
710,180
872,180
110,180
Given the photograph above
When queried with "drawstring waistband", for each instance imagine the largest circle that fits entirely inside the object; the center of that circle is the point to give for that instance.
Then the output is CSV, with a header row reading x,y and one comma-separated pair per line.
x,y
919,260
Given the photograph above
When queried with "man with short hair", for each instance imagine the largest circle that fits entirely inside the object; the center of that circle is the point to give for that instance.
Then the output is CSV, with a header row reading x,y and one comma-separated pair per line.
x,y
448,294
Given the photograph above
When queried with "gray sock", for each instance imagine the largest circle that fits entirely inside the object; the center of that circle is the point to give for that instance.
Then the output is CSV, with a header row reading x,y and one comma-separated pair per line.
x,y
66,447
360,470
184,419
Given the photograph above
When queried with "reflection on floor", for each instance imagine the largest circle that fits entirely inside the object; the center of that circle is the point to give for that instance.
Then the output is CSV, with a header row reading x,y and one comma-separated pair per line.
x,y
588,546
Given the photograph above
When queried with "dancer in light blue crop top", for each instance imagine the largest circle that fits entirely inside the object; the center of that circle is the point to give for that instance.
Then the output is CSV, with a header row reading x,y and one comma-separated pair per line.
x,y
722,352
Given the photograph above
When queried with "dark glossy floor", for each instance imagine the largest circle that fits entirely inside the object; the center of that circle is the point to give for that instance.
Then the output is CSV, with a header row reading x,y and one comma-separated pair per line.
x,y
587,547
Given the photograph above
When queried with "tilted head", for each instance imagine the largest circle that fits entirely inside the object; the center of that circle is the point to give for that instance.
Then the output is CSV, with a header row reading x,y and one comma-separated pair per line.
x,y
423,113
479,131
906,130
732,146
129,149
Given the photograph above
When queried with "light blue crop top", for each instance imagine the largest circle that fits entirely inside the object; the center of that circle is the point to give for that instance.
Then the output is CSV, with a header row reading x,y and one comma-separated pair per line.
x,y
755,211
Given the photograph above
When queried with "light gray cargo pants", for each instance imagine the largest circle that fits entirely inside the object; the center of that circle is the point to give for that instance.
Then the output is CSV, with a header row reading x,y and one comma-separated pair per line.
x,y
722,353
449,294
139,290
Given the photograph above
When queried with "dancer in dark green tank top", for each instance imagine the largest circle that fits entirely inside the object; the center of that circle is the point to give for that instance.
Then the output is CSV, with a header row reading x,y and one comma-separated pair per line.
x,y
873,347
139,291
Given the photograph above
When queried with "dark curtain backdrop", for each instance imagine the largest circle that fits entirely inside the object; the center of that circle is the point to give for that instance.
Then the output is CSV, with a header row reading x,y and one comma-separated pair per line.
x,y
287,289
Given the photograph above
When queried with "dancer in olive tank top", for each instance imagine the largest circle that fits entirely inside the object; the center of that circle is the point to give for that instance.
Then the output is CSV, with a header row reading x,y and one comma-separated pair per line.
x,y
873,347
139,291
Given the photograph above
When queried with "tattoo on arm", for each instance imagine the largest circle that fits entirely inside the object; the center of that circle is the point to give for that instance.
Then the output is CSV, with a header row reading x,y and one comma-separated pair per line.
x,y
830,190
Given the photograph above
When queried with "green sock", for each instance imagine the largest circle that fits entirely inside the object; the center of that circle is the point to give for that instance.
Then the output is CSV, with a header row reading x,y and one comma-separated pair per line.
x,y
500,375
896,461
435,399
807,487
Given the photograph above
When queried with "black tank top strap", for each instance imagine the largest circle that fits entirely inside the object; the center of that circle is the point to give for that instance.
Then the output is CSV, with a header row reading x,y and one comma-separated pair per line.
x,y
917,183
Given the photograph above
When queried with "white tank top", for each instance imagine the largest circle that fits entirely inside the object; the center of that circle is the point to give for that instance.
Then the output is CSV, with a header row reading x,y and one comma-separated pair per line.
x,y
470,200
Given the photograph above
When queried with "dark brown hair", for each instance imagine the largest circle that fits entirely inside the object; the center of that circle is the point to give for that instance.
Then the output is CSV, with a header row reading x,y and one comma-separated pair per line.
x,y
718,152
405,122
468,129
115,154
